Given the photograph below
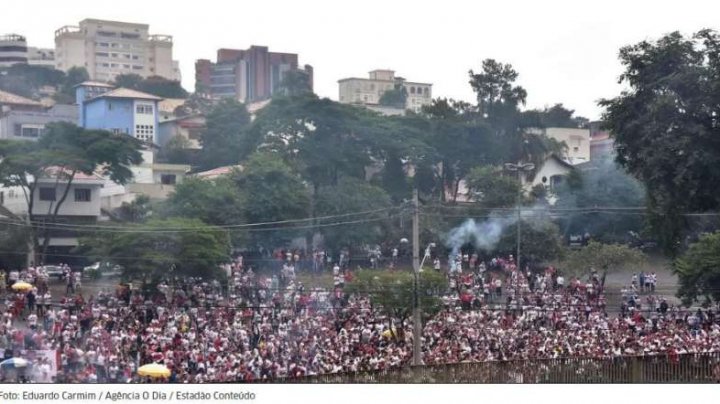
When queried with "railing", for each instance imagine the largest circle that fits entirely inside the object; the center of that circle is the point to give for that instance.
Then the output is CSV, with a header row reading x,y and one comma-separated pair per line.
x,y
68,29
161,38
12,38
686,368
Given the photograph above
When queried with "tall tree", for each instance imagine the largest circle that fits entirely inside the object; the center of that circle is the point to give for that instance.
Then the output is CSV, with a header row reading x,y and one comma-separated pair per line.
x,y
698,270
666,126
223,139
61,153
272,192
492,189
353,195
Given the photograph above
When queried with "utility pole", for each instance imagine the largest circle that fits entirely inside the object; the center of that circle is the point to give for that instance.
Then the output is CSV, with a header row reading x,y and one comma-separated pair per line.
x,y
519,168
417,319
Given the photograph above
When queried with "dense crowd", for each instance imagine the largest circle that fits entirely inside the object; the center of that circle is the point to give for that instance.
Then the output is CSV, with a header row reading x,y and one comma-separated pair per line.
x,y
263,326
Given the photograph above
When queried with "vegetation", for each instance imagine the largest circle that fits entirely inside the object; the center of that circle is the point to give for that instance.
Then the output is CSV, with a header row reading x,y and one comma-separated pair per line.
x,y
601,257
63,152
665,127
699,270
154,85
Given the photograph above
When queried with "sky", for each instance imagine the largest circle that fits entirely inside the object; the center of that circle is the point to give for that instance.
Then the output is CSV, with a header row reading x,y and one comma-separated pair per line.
x,y
565,51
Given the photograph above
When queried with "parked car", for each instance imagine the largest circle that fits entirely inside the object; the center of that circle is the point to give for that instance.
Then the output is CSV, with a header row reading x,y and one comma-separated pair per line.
x,y
102,269
53,271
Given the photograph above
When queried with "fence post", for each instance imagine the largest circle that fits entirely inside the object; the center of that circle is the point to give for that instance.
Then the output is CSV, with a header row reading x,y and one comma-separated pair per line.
x,y
636,375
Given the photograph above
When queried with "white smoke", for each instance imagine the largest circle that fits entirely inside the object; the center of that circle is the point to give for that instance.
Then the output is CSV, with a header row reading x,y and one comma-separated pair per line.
x,y
485,235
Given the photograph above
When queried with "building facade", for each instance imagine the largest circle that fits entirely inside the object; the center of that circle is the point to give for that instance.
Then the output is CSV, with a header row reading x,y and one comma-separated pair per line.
x,y
25,119
118,110
110,48
41,57
13,49
248,75
577,141
368,91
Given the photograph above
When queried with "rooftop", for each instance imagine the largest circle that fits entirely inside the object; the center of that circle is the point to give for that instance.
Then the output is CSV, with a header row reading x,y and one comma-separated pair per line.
x,y
14,99
127,93
94,84
12,37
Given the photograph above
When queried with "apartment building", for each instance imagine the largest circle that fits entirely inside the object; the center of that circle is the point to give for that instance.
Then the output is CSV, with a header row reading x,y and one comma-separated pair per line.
x,y
110,48
248,75
13,49
367,92
24,119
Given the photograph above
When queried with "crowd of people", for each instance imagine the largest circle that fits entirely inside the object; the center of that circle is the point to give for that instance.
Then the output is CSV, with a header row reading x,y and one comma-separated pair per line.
x,y
270,325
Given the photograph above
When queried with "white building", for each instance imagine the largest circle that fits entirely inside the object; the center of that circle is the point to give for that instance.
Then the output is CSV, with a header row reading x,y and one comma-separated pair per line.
x,y
13,49
577,141
81,205
368,91
110,48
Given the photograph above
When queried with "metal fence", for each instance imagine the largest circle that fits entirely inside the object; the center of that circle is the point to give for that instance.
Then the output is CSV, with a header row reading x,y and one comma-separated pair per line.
x,y
686,368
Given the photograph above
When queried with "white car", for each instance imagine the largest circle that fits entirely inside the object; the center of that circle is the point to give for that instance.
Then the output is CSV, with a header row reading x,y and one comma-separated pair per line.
x,y
104,268
53,271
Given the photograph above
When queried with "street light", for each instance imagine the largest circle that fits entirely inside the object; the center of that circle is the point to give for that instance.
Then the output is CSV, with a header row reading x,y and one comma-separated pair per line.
x,y
519,168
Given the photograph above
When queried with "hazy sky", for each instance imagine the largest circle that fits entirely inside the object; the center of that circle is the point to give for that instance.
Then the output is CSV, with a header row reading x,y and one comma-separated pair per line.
x,y
565,51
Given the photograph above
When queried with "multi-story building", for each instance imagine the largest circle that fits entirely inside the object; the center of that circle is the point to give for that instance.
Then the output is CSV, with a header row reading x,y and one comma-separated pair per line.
x,y
368,91
110,48
247,75
24,119
130,112
13,49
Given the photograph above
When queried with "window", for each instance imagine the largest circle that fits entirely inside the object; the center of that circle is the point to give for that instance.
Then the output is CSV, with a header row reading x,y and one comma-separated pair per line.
x,y
167,179
129,35
102,54
136,67
103,44
47,194
145,132
106,33
118,131
109,106
2,198
144,109
82,195
412,90
31,131
576,149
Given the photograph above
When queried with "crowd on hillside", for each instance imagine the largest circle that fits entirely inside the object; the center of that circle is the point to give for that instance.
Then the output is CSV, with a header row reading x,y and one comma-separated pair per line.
x,y
264,326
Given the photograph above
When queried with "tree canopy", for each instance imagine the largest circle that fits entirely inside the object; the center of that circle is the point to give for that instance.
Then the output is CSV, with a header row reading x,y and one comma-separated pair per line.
x,y
223,140
155,85
666,128
698,270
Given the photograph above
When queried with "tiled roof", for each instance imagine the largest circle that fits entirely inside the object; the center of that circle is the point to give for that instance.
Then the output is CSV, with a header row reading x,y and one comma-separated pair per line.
x,y
14,99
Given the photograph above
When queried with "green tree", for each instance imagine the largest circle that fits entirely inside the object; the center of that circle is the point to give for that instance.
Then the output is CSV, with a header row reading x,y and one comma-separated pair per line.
x,y
394,293
558,116
155,85
218,202
64,151
496,93
665,126
130,80
540,241
394,180
395,97
27,80
159,248
698,270
178,151
272,192
14,238
295,83
223,139
75,75
162,87
136,211
606,257
493,190
353,195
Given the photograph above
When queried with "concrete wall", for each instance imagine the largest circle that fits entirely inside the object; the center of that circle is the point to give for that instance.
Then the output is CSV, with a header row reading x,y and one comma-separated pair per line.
x,y
14,200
